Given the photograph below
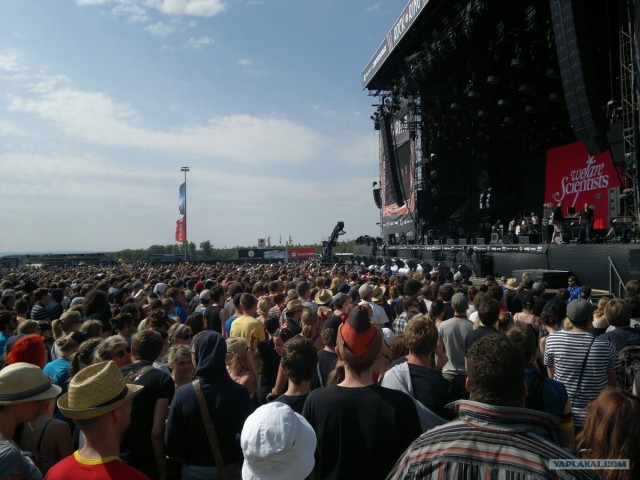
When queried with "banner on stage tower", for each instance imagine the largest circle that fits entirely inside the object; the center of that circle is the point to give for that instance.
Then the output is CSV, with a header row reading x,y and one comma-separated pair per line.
x,y
578,178
182,198
181,229
394,217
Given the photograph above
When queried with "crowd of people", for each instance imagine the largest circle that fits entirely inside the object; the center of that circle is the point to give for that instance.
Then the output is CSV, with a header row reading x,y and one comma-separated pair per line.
x,y
303,370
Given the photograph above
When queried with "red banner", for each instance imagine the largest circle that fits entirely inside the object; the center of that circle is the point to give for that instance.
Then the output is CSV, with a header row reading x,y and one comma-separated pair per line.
x,y
181,230
577,178
298,253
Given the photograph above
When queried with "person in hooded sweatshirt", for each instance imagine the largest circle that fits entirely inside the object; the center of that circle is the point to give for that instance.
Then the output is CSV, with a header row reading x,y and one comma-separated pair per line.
x,y
228,404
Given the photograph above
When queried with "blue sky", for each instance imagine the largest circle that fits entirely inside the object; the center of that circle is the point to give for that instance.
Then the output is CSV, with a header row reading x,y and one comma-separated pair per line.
x,y
102,102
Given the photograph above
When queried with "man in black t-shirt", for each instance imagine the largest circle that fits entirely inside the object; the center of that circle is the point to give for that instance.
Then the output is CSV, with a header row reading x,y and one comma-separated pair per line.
x,y
215,312
586,220
361,428
142,445
416,375
327,357
299,360
488,313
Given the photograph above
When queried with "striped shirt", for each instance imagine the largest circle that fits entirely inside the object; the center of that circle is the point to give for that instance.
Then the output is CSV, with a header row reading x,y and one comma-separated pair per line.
x,y
565,352
487,442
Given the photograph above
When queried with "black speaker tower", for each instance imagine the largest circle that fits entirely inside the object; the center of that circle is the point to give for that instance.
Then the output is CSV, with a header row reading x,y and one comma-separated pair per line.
x,y
389,150
377,197
577,70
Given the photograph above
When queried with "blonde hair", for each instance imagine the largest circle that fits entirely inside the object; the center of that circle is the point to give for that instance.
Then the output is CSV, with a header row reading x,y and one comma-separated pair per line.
x,y
337,374
177,351
241,357
56,329
264,305
309,320
179,330
107,347
66,344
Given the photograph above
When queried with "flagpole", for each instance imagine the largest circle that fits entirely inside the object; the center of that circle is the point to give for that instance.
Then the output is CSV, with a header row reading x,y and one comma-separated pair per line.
x,y
185,170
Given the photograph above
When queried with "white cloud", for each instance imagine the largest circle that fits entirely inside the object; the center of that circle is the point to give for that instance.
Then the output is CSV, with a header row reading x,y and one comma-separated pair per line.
x,y
12,62
95,118
45,83
198,43
133,13
89,3
375,7
159,29
7,129
195,8
244,62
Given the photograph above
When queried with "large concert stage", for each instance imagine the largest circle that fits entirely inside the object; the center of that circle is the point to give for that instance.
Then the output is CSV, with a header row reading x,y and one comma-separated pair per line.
x,y
493,111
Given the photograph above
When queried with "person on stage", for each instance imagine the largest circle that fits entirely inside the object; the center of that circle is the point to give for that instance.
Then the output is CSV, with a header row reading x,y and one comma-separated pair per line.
x,y
586,221
557,220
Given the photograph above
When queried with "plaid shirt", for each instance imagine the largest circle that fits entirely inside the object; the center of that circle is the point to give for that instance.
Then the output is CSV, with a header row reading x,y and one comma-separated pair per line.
x,y
487,441
400,323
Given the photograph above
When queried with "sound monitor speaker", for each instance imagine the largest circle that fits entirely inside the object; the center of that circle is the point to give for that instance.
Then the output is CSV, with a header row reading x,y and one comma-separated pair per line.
x,y
450,241
578,73
389,151
479,241
462,241
523,239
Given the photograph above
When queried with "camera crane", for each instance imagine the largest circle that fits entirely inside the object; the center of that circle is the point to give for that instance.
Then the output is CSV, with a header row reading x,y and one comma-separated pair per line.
x,y
327,251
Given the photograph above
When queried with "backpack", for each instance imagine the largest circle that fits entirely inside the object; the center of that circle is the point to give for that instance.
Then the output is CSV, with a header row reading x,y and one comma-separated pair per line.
x,y
629,357
627,342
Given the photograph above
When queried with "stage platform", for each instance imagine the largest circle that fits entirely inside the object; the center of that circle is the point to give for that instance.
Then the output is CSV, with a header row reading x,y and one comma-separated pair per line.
x,y
594,264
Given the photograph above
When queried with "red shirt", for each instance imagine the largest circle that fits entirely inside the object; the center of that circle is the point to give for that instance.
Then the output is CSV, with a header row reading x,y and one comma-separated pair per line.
x,y
109,468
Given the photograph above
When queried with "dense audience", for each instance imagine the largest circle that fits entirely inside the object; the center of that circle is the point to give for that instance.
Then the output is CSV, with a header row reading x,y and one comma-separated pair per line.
x,y
382,373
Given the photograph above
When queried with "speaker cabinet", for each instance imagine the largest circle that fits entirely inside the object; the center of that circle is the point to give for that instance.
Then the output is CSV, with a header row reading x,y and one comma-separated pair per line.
x,y
576,60
377,198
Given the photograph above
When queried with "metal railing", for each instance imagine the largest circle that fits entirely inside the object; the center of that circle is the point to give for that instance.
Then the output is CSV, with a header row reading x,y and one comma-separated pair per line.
x,y
620,284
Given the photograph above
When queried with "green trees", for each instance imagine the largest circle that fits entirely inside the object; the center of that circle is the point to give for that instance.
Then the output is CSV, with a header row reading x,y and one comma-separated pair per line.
x,y
204,251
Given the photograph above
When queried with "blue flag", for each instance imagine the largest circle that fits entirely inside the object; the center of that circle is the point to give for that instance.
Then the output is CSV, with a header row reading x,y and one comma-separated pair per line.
x,y
182,198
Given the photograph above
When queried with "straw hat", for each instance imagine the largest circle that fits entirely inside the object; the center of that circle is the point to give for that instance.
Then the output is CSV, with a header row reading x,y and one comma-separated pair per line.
x,y
24,382
378,294
294,305
323,297
96,390
511,284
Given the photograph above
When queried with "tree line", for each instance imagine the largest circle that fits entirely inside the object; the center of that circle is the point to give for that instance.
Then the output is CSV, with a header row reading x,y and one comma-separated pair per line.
x,y
206,251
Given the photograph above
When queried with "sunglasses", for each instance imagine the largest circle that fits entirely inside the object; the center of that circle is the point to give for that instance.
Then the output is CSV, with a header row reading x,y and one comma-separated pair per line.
x,y
280,331
122,353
